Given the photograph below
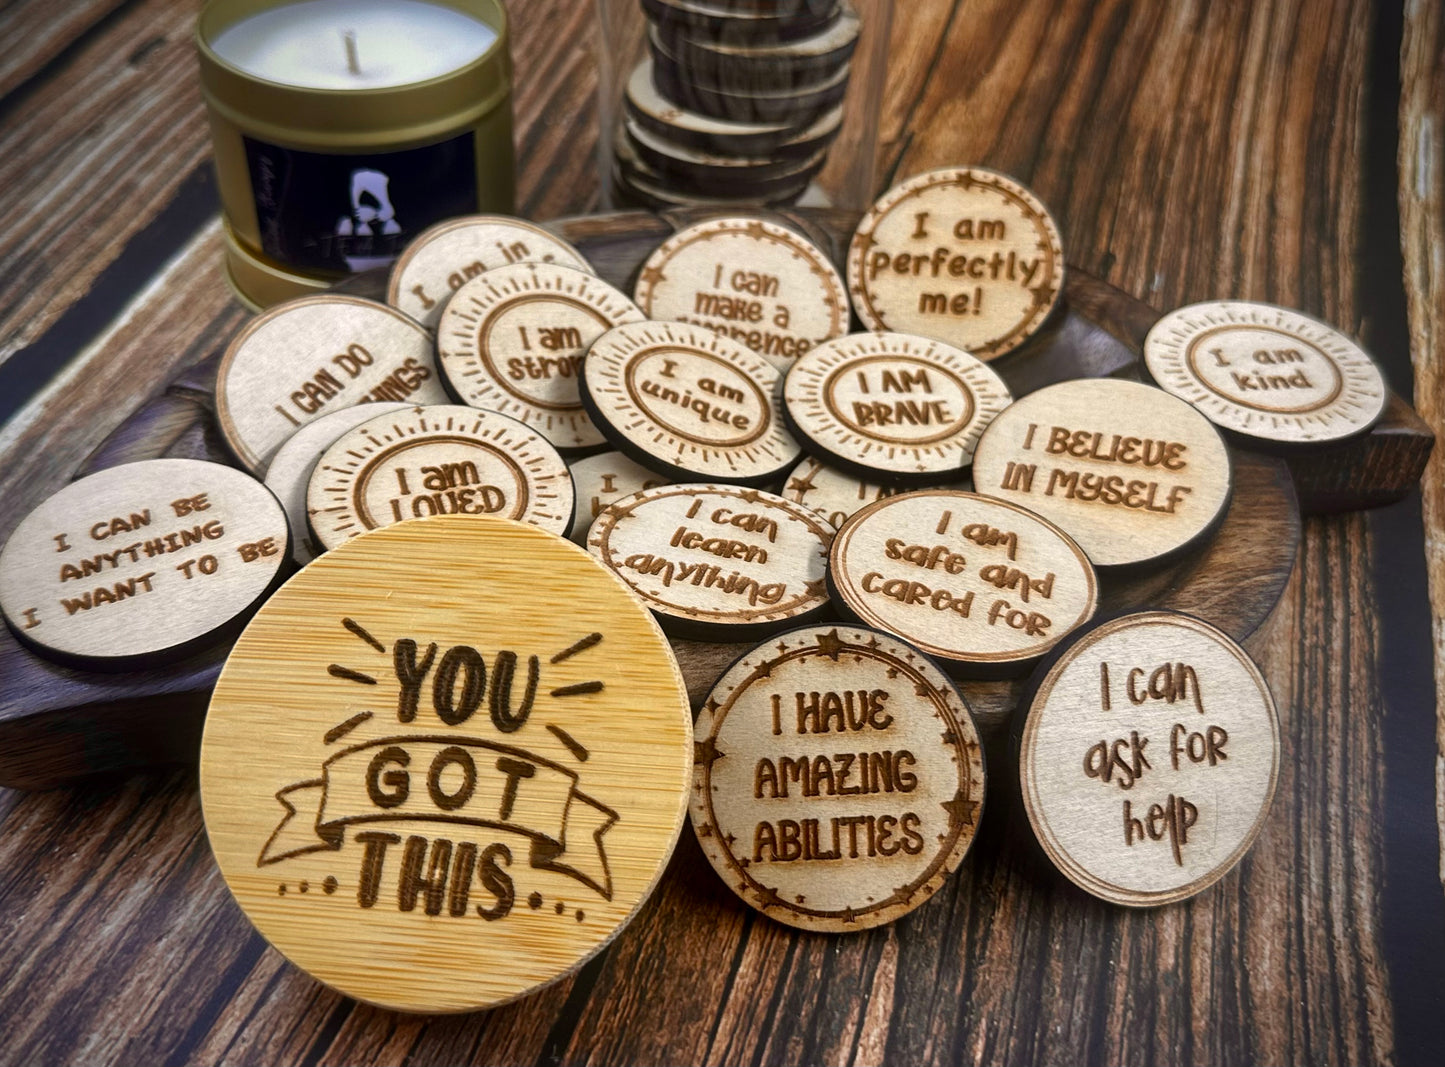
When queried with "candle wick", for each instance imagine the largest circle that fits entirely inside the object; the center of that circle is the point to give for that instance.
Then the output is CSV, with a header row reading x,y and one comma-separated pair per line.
x,y
353,60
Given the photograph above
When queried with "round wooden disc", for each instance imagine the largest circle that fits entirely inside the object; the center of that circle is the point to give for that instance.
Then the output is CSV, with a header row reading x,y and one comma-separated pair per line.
x,y
717,561
1267,372
707,171
773,22
891,405
737,65
446,763
794,106
1139,823
966,255
599,481
512,340
143,562
1133,474
688,403
835,494
444,258
984,585
438,460
838,778
759,283
305,358
289,472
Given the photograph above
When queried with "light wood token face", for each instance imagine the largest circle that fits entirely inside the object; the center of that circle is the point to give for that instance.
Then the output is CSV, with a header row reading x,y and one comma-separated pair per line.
x,y
1265,371
444,258
968,256
439,460
307,358
902,406
717,559
446,763
601,480
1149,758
975,581
1132,473
142,562
835,494
759,283
289,472
512,340
838,778
687,402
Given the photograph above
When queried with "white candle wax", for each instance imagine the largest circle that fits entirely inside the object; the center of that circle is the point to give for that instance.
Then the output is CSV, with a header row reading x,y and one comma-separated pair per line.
x,y
393,42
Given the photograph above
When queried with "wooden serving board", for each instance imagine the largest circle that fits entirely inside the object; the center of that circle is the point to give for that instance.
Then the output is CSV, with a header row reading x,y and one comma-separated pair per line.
x,y
57,723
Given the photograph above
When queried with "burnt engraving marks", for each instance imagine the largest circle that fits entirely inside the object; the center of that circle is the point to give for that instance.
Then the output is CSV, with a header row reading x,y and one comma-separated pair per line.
x,y
838,778
1149,757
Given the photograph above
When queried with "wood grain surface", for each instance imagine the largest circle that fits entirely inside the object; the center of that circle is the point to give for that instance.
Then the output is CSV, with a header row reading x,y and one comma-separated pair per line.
x,y
1189,151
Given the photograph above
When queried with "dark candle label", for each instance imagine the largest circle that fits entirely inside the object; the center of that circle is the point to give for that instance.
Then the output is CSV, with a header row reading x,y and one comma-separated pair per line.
x,y
350,213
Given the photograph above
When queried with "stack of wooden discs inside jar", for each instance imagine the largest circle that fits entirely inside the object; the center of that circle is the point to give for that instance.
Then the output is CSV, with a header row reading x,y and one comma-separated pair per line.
x,y
736,101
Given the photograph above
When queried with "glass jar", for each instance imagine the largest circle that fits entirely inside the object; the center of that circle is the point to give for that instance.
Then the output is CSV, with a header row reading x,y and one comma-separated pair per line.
x,y
723,103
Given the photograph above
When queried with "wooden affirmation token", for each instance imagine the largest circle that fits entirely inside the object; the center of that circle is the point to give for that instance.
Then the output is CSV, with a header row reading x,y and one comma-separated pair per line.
x,y
446,764
966,255
763,22
891,405
717,561
1267,372
835,494
305,358
512,340
688,403
289,472
1139,823
794,106
438,460
599,481
143,562
838,778
1133,474
757,282
444,258
740,65
982,584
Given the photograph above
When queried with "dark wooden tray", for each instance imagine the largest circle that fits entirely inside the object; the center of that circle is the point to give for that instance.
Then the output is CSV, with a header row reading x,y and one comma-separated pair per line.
x,y
58,723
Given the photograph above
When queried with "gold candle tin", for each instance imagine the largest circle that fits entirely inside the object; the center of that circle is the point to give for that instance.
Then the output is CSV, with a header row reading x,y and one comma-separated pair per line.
x,y
294,164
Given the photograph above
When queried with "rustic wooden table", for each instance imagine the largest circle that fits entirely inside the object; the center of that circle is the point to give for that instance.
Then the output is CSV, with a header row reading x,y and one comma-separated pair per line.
x,y
1284,150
